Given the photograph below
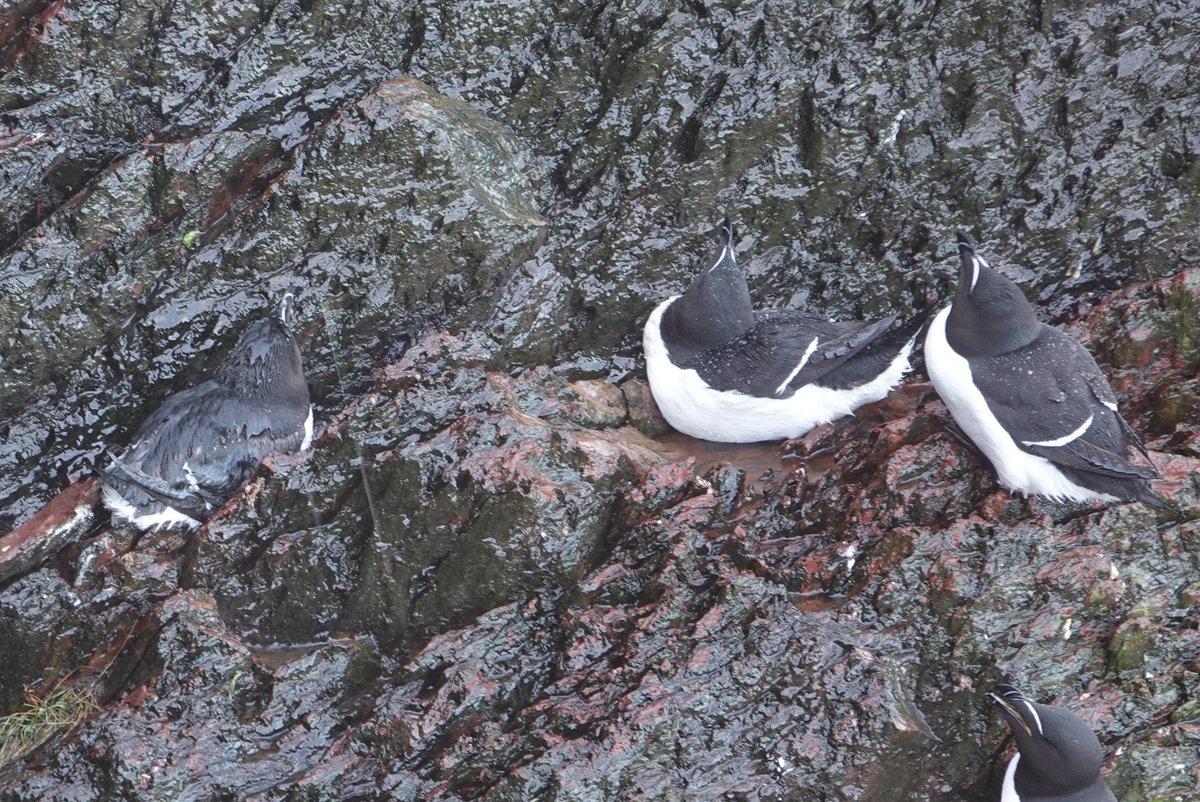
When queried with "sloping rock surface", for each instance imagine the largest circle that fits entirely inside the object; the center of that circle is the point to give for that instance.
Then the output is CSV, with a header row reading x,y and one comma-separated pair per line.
x,y
497,575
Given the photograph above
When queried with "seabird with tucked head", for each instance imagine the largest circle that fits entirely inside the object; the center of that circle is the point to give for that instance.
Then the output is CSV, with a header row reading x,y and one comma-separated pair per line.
x,y
197,449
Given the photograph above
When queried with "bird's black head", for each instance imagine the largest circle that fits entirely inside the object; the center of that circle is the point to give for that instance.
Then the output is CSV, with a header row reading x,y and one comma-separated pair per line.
x,y
714,310
990,314
265,363
1059,753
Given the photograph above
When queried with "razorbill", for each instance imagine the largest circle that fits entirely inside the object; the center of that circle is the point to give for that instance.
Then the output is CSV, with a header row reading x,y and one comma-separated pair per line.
x,y
1058,756
1028,396
721,371
194,452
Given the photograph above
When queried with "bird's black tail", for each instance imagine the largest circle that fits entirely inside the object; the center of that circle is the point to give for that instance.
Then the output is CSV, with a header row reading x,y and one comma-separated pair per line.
x,y
876,355
1128,487
141,489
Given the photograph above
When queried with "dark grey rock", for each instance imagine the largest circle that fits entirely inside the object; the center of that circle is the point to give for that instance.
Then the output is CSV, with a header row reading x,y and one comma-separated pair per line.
x,y
486,581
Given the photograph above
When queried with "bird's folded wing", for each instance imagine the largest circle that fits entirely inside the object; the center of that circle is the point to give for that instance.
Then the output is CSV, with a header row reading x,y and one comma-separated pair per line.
x,y
783,352
1045,398
199,448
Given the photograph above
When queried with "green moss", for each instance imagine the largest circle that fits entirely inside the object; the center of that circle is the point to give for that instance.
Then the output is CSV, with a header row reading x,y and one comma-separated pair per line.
x,y
1183,313
1154,774
1130,646
1097,601
41,719
1190,595
1174,408
1188,711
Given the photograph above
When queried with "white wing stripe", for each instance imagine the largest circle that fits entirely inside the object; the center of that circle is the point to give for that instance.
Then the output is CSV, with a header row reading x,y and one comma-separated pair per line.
x,y
1066,438
808,352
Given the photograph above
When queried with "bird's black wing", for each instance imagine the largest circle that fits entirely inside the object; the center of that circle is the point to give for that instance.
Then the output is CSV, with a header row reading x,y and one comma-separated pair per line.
x,y
783,352
1045,393
203,444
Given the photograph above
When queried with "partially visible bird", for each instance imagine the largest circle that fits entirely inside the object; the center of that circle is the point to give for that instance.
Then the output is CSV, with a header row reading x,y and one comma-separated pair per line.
x,y
1058,756
1028,396
197,449
719,370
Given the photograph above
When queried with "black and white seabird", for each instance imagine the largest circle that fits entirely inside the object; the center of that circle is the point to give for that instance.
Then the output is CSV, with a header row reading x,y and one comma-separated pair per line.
x,y
1058,756
721,371
194,452
1031,398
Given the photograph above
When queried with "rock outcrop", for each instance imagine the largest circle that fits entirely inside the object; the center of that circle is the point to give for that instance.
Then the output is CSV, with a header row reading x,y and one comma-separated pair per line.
x,y
497,575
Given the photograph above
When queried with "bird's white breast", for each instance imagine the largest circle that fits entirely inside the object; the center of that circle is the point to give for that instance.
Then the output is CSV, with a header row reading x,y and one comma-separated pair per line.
x,y
1008,791
122,510
308,430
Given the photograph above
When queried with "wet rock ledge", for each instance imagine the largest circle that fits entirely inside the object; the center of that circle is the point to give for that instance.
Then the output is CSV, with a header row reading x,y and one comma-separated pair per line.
x,y
487,586
496,576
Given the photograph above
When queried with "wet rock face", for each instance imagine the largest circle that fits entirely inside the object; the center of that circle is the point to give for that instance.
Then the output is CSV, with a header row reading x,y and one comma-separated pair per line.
x,y
175,246
400,522
281,143
487,581
488,586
